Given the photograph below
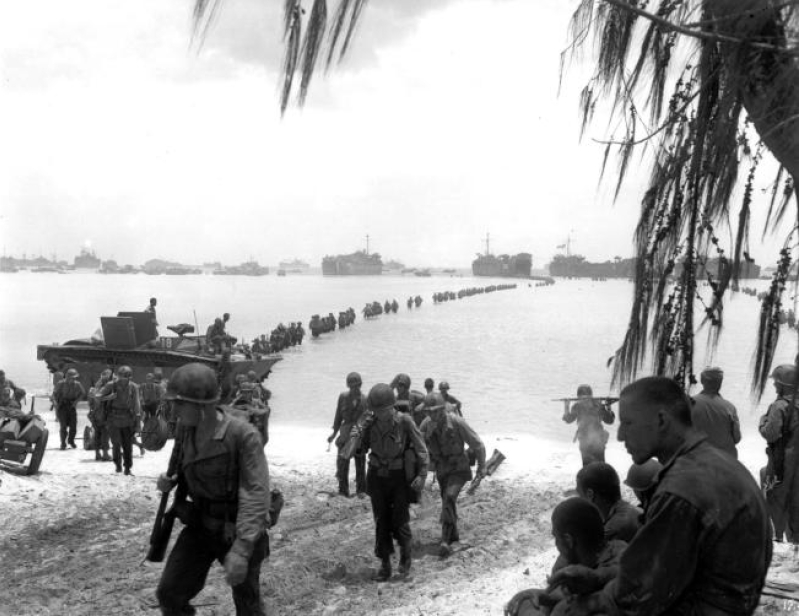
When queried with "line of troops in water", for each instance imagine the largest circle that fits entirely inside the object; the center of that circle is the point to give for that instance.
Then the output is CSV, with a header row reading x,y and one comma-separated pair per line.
x,y
445,296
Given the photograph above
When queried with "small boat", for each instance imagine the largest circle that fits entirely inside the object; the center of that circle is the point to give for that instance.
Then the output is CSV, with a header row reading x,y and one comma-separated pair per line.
x,y
425,273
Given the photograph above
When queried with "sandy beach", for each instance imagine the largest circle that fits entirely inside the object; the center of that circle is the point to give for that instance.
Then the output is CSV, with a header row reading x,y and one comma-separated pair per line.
x,y
75,536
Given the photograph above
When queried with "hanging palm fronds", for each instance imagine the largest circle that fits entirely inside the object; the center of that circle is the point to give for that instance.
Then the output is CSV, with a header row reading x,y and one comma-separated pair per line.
x,y
741,73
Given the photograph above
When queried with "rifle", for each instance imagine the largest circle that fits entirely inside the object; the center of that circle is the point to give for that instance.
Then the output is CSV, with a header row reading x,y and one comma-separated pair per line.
x,y
165,519
356,435
492,465
602,399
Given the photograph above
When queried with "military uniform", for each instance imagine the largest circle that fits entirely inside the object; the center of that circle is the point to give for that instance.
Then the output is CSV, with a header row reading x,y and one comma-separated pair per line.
x,y
66,395
227,481
705,545
780,427
151,393
718,418
349,410
123,414
387,482
446,444
623,521
99,420
589,415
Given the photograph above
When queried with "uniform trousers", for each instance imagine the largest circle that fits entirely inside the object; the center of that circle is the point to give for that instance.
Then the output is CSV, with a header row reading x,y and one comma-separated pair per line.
x,y
450,486
389,494
101,439
187,567
343,474
67,415
122,443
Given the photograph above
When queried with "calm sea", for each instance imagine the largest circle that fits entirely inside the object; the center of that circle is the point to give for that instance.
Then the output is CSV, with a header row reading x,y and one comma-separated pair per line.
x,y
505,354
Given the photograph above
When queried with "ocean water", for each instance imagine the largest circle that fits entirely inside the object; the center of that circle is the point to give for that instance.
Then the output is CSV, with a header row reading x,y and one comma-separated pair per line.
x,y
506,354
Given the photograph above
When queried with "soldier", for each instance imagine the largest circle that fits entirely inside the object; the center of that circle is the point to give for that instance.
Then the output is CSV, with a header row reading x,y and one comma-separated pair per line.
x,y
429,385
124,413
248,406
227,512
447,435
350,407
590,414
388,435
215,336
66,396
300,333
714,415
407,400
150,395
780,427
443,387
99,418
578,533
9,384
599,483
151,309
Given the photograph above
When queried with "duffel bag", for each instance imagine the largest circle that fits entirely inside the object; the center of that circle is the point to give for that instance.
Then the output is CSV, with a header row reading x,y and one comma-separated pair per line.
x,y
154,433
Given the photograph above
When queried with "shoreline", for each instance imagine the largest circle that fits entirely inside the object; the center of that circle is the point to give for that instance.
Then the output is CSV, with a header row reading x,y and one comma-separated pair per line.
x,y
78,533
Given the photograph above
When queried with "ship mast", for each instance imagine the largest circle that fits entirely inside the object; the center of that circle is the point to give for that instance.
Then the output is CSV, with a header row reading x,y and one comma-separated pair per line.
x,y
488,249
367,244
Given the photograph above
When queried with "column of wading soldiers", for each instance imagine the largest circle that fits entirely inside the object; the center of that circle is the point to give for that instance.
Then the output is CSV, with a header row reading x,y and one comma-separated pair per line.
x,y
696,530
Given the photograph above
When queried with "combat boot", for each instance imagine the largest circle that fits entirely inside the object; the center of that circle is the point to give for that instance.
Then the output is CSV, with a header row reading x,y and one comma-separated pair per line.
x,y
405,559
97,456
384,573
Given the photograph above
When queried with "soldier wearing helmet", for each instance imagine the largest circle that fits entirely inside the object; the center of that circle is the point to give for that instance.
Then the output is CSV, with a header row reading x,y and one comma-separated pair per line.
x,y
99,418
396,473
443,388
447,435
66,396
221,463
123,415
350,407
780,427
589,414
407,399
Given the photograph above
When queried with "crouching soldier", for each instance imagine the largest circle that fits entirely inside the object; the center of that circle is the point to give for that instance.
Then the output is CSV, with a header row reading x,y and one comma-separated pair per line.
x,y
447,435
222,466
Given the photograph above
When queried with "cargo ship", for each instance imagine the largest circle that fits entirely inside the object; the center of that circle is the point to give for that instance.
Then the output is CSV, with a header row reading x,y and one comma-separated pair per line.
x,y
359,263
502,266
87,260
295,266
249,268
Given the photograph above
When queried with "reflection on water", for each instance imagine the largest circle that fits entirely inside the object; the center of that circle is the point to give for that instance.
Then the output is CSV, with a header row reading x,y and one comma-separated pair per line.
x,y
505,354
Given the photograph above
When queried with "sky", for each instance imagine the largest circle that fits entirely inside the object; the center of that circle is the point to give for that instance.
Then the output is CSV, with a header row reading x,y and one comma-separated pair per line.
x,y
443,125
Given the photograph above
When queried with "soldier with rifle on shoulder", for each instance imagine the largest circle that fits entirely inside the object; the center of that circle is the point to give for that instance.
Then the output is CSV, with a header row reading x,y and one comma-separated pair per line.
x,y
219,465
590,413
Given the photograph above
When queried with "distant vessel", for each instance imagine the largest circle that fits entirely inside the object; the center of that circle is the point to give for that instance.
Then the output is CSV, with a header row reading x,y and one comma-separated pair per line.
x,y
393,265
502,266
281,272
424,273
248,268
182,271
359,263
295,266
87,260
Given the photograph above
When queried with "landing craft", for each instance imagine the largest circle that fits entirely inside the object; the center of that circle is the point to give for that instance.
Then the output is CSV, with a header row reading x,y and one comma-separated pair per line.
x,y
129,339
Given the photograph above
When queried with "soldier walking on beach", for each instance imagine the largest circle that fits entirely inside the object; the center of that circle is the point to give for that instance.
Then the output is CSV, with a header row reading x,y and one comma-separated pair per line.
x,y
226,516
407,399
714,415
350,407
589,415
66,396
780,427
99,418
397,456
443,387
447,435
124,412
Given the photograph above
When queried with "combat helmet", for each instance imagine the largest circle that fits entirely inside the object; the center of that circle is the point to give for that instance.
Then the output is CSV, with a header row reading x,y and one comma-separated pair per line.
x,y
434,401
381,396
353,378
785,375
124,372
642,476
71,373
443,386
402,379
195,383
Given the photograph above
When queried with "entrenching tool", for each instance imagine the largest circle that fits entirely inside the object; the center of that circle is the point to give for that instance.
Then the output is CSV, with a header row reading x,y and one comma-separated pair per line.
x,y
491,466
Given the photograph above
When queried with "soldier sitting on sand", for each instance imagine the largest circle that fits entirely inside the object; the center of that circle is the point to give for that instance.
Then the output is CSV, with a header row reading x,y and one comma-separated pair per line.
x,y
599,483
580,540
